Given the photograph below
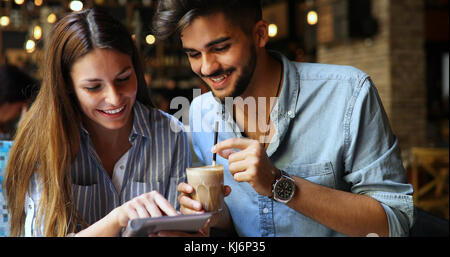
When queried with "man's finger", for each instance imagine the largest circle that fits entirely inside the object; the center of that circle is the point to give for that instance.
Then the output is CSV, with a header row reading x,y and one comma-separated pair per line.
x,y
242,176
226,190
227,153
185,188
232,143
189,203
238,166
237,156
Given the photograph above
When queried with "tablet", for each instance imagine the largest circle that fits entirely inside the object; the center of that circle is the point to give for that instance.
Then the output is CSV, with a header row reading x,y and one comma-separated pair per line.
x,y
145,226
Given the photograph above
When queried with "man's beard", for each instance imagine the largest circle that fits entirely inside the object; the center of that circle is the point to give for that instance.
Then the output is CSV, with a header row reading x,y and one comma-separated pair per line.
x,y
244,80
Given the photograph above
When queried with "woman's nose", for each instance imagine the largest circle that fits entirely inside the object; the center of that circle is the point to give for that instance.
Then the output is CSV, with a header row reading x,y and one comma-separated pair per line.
x,y
112,95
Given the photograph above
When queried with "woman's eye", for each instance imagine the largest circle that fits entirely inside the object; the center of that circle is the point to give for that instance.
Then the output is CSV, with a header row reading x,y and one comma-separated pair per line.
x,y
124,78
93,88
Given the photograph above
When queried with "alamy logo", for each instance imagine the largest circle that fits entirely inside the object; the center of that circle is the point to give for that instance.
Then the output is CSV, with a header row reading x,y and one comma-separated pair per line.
x,y
207,112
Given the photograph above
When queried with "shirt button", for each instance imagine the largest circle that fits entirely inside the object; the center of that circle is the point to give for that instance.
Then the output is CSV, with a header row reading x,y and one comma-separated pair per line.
x,y
122,167
265,210
290,114
30,207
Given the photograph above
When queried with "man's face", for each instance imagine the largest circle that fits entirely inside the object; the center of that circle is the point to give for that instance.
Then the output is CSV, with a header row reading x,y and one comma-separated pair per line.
x,y
221,54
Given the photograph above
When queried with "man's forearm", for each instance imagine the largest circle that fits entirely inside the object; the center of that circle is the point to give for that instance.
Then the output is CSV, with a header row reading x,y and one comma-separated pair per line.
x,y
346,213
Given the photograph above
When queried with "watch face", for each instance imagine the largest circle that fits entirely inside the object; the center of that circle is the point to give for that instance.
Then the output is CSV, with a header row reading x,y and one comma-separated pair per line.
x,y
284,189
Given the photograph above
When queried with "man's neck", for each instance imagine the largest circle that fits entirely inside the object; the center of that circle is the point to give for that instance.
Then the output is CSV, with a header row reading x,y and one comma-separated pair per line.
x,y
266,77
265,85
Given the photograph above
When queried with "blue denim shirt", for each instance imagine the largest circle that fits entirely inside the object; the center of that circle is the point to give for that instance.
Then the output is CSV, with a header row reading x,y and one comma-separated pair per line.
x,y
332,130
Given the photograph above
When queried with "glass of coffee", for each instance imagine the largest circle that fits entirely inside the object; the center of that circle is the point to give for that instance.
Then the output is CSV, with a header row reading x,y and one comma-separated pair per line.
x,y
207,182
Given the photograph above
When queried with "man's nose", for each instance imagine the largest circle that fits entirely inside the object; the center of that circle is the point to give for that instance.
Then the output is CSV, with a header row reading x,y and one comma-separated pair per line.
x,y
209,65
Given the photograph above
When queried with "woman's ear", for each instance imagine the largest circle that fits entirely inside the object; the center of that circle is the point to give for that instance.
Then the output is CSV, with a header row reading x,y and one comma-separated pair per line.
x,y
261,33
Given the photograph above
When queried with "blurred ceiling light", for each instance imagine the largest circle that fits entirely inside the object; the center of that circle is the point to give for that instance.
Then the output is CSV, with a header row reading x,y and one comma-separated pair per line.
x,y
273,30
147,3
37,32
76,5
312,17
4,21
38,2
150,39
30,46
51,18
19,2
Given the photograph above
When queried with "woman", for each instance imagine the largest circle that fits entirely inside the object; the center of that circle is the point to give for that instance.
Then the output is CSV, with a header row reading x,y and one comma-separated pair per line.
x,y
92,152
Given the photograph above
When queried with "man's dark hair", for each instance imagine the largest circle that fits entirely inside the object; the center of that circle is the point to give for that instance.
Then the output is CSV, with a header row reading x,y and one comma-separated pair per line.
x,y
16,85
172,16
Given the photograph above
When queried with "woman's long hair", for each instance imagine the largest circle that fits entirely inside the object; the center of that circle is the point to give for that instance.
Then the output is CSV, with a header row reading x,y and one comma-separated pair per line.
x,y
48,140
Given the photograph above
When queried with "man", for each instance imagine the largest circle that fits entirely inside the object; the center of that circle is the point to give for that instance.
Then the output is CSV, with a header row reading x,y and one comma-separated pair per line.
x,y
322,160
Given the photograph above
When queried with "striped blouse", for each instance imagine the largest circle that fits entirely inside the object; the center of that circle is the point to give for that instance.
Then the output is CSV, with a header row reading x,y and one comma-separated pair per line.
x,y
157,160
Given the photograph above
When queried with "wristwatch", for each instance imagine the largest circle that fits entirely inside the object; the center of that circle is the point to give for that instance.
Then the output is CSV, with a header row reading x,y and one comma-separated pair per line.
x,y
284,188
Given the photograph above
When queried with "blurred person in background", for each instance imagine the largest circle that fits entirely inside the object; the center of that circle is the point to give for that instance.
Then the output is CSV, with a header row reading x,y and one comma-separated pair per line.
x,y
17,90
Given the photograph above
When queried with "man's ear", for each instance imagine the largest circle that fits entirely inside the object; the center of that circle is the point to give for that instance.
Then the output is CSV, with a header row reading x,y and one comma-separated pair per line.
x,y
261,33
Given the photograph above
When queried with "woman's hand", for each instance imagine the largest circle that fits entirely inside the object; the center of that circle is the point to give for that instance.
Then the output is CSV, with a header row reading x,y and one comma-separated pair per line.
x,y
151,204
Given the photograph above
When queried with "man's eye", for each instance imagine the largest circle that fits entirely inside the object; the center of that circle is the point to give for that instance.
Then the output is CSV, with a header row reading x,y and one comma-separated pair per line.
x,y
221,49
193,55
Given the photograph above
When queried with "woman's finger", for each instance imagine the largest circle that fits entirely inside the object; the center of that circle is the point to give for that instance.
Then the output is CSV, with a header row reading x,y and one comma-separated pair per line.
x,y
163,204
131,212
141,209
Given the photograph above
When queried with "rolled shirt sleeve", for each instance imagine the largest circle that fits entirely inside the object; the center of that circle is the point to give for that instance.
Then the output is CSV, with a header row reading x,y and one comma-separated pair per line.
x,y
373,163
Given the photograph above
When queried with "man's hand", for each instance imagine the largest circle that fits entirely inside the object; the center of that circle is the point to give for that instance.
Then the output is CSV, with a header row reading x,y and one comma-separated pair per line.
x,y
251,164
190,206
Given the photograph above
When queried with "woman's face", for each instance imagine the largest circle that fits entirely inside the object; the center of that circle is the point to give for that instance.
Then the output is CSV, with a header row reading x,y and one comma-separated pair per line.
x,y
105,85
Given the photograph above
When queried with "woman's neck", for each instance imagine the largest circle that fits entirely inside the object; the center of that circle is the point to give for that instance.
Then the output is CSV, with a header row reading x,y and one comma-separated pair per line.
x,y
109,140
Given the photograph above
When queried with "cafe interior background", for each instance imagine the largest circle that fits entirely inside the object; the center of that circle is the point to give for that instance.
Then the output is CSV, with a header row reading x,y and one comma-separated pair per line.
x,y
402,44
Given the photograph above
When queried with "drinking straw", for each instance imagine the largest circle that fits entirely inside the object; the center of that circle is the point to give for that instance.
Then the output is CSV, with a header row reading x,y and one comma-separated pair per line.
x,y
216,128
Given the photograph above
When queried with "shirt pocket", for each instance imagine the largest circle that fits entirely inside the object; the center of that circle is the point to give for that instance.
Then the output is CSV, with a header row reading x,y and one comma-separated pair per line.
x,y
87,202
317,173
138,188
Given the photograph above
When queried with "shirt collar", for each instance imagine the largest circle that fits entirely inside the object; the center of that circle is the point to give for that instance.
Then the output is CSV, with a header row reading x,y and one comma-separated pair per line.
x,y
287,104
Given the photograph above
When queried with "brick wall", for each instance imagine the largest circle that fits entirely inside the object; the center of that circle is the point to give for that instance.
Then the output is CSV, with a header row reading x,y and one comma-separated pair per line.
x,y
395,60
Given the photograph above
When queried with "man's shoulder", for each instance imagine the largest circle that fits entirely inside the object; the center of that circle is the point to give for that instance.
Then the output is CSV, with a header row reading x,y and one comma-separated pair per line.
x,y
320,71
